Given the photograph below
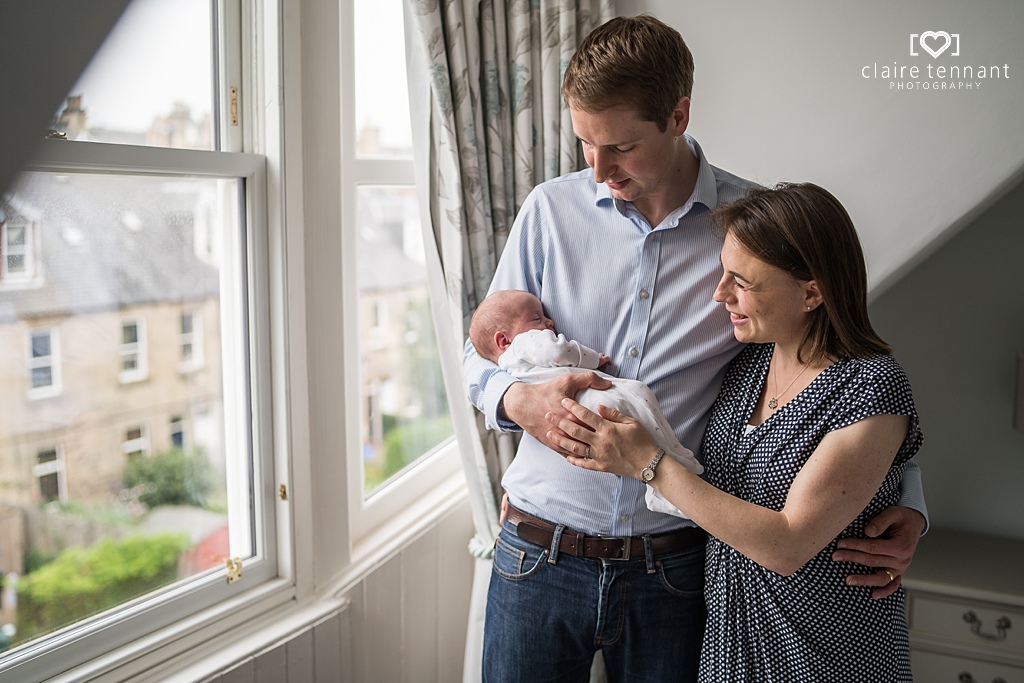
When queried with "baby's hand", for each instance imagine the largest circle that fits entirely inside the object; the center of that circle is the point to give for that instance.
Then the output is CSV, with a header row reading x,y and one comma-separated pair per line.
x,y
603,360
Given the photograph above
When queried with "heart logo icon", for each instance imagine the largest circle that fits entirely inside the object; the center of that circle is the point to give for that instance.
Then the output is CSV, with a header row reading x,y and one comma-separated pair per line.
x,y
935,35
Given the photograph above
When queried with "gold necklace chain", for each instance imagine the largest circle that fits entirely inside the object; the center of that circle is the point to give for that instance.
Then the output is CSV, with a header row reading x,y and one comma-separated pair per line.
x,y
773,403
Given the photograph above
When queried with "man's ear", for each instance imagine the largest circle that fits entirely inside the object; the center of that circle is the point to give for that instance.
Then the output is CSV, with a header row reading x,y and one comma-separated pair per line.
x,y
680,117
502,341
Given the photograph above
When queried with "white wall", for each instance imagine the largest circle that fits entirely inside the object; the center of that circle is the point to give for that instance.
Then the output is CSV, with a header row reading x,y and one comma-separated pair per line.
x,y
957,325
779,95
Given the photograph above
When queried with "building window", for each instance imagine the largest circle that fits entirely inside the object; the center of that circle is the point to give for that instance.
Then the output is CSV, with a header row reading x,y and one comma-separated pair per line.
x,y
134,359
49,471
16,251
177,432
170,215
44,363
136,442
190,342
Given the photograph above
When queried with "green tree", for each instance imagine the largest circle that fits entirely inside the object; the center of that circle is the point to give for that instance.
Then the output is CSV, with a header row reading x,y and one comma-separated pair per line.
x,y
82,582
172,477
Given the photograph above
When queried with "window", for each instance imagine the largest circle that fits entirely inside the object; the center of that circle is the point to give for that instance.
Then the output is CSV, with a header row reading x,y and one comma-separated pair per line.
x,y
134,361
50,473
190,342
177,432
403,421
17,257
136,443
151,226
44,363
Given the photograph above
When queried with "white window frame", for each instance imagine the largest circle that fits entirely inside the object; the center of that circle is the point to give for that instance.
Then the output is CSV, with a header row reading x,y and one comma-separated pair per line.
x,y
366,515
53,361
164,623
194,339
137,349
26,250
139,444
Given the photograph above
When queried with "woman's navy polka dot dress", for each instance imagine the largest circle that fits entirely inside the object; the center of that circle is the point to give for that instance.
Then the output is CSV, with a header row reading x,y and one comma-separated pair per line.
x,y
764,627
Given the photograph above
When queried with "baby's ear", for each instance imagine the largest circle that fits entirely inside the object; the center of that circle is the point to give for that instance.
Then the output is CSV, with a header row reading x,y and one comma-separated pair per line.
x,y
502,341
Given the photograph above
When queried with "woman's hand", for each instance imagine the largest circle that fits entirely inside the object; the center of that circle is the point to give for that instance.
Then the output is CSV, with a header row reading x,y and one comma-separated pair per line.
x,y
618,444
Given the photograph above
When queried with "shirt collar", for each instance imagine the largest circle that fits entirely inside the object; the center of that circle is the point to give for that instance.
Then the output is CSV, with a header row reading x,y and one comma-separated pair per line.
x,y
705,192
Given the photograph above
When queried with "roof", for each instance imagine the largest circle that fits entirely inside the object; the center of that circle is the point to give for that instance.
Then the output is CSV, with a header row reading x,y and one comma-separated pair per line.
x,y
106,245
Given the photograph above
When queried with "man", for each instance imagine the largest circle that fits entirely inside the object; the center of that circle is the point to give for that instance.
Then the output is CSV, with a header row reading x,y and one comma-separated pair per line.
x,y
623,256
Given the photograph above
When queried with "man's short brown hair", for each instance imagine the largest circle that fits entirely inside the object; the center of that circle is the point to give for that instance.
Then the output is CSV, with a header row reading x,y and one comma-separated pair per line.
x,y
638,62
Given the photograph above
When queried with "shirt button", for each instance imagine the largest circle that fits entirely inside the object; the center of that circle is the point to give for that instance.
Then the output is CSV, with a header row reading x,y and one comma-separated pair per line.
x,y
644,294
623,518
633,352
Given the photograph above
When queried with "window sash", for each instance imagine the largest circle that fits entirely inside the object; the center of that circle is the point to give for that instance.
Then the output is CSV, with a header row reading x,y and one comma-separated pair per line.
x,y
245,264
395,495
133,352
44,364
16,256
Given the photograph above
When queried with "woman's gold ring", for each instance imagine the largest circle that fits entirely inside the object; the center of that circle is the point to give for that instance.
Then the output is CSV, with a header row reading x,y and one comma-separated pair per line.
x,y
892,577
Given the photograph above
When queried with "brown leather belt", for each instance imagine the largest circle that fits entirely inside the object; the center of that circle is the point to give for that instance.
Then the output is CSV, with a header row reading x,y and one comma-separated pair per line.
x,y
539,531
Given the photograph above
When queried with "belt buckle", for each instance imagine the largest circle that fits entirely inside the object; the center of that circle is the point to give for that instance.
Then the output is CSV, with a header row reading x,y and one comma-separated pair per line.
x,y
626,543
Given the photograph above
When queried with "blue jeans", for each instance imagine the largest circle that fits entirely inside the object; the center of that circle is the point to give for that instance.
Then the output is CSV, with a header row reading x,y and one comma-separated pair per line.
x,y
546,619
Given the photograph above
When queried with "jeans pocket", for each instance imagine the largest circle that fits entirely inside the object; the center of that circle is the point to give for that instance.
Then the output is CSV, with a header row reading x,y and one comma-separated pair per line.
x,y
682,574
516,559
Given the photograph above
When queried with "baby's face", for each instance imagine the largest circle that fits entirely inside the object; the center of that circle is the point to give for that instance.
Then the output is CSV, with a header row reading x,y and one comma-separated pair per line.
x,y
531,318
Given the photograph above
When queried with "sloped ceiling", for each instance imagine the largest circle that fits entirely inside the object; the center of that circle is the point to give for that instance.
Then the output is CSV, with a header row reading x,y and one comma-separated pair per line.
x,y
44,47
780,94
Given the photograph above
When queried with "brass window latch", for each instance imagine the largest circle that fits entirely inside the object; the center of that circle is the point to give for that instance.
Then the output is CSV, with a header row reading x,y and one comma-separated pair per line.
x,y
234,569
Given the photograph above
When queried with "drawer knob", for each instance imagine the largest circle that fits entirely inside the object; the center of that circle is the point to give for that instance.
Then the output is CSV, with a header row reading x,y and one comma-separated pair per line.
x,y
966,677
1002,626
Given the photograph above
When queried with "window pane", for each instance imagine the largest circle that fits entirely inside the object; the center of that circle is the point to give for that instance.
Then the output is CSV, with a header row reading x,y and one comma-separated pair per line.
x,y
382,97
405,411
16,235
40,345
151,83
42,377
126,490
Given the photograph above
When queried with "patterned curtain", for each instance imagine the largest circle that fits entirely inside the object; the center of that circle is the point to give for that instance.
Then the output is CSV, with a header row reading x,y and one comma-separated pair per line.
x,y
497,127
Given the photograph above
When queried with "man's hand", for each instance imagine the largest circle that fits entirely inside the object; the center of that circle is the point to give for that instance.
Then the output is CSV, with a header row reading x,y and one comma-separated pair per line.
x,y
527,404
892,540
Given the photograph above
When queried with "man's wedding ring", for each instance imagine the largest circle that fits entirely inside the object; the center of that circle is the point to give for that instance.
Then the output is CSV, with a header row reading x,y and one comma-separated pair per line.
x,y
586,453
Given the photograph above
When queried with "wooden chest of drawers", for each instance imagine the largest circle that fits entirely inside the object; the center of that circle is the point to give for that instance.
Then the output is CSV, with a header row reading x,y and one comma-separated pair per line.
x,y
965,607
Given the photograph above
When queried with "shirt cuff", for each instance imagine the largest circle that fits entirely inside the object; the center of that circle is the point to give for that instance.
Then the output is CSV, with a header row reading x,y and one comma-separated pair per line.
x,y
494,395
912,492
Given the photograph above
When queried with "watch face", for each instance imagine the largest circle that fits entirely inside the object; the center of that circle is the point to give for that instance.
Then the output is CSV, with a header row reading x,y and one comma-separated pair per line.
x,y
647,474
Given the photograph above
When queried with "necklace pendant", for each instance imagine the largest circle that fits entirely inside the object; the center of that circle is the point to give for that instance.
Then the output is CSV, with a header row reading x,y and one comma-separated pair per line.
x,y
773,403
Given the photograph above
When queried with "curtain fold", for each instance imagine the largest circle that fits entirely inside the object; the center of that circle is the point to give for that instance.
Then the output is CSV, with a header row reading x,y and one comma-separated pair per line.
x,y
487,74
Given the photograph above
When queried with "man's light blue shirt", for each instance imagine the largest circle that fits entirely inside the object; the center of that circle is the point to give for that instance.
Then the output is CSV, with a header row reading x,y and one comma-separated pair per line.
x,y
640,294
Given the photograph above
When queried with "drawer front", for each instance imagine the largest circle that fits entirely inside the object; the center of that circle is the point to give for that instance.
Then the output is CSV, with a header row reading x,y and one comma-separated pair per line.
x,y
973,624
932,667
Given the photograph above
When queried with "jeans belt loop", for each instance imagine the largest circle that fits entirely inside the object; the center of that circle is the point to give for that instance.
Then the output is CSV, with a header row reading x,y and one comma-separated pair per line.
x,y
649,553
556,538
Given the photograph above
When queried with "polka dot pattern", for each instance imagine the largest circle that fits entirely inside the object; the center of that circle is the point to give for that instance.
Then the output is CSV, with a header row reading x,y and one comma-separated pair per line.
x,y
810,626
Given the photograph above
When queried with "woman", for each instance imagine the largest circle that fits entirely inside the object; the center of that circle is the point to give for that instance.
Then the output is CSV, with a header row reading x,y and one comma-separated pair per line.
x,y
807,442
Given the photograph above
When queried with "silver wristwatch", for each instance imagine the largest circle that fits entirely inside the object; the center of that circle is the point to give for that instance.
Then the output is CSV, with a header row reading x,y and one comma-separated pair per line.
x,y
647,473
